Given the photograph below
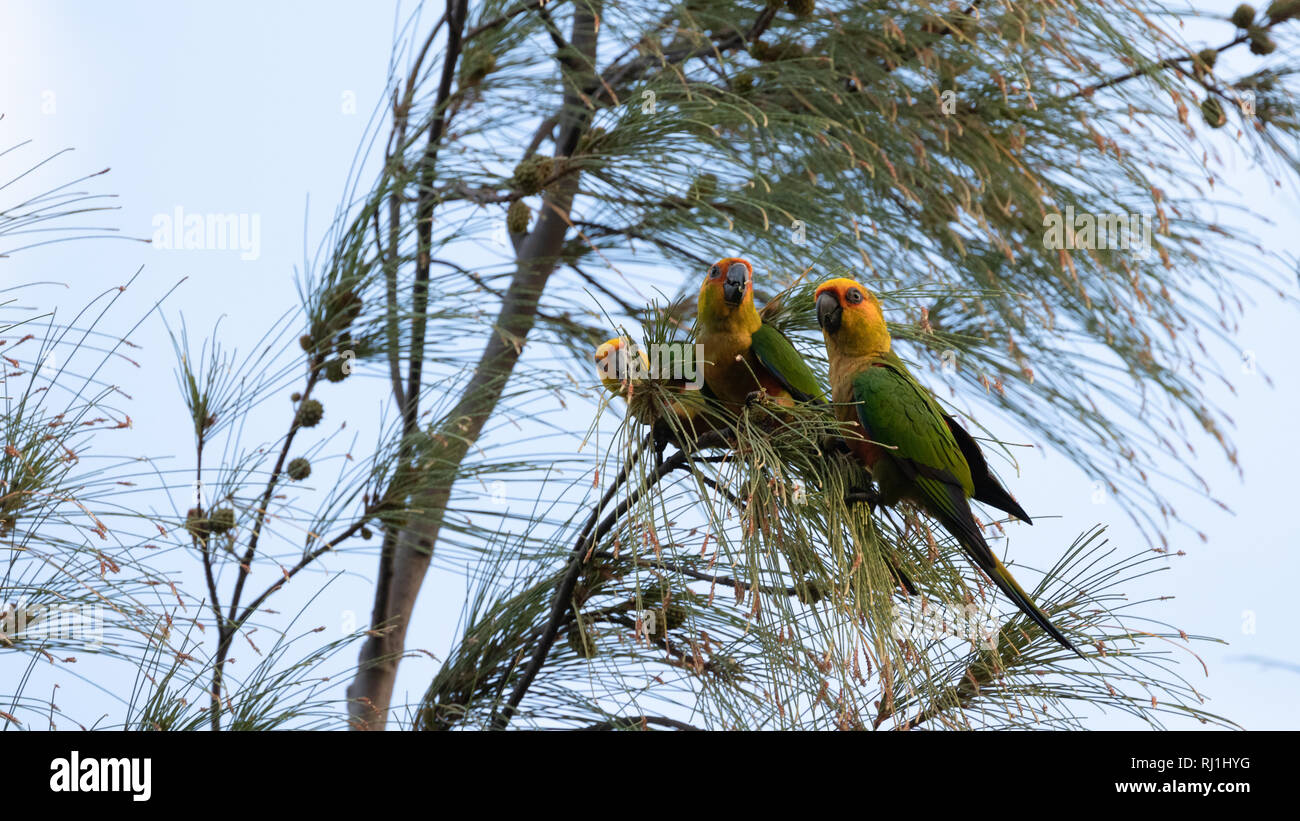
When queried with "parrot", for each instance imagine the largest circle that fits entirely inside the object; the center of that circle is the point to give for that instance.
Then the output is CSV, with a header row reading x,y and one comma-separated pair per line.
x,y
612,371
742,355
618,379
913,450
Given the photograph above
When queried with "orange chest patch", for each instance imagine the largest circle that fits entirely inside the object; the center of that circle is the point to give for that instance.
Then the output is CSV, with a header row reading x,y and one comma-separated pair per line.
x,y
734,380
770,384
868,452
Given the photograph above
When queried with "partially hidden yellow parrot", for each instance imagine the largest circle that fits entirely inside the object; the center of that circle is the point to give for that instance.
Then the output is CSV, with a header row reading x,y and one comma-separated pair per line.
x,y
913,449
613,363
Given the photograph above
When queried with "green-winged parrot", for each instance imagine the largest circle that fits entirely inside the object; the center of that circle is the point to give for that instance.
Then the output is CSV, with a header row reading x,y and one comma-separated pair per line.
x,y
913,449
742,355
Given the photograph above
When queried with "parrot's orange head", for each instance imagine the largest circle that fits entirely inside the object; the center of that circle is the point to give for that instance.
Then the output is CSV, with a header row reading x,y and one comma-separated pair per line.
x,y
850,317
728,285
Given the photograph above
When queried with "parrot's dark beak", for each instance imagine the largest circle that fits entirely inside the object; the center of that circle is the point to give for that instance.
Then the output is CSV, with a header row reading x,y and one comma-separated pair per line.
x,y
829,312
733,290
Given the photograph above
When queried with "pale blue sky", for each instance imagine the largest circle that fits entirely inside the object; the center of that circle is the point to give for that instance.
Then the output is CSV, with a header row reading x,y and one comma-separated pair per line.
x,y
244,107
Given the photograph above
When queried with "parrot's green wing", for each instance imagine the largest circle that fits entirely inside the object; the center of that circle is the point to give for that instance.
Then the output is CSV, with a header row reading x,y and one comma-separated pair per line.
x,y
775,353
897,412
900,414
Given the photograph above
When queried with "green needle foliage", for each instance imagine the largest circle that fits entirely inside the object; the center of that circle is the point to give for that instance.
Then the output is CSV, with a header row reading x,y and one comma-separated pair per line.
x,y
920,148
545,176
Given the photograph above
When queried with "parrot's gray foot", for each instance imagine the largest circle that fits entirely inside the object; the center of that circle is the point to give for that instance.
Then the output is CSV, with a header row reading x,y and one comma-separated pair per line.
x,y
870,495
834,445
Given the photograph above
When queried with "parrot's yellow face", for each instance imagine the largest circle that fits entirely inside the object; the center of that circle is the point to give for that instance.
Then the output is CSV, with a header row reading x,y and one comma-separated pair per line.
x,y
614,366
608,347
728,285
850,318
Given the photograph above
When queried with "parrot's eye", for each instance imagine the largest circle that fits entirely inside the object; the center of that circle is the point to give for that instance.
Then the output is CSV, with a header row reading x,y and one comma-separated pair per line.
x,y
715,272
854,296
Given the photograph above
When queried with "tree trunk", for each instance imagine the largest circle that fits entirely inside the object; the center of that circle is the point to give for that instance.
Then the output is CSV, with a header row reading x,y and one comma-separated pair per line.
x,y
402,574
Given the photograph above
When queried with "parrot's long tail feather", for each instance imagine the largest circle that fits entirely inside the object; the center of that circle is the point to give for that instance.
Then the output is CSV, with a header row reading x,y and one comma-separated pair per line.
x,y
960,522
1007,584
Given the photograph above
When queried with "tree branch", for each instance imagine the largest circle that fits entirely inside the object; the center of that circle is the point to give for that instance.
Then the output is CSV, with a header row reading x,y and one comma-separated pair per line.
x,y
583,546
375,690
638,722
508,16
724,581
1168,62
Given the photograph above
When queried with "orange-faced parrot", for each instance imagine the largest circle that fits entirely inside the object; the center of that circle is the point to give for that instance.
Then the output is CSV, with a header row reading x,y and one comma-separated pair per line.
x,y
742,355
913,449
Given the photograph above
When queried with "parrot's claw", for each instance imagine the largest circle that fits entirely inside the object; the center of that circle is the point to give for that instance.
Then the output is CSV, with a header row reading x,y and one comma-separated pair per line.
x,y
871,496
831,446
837,445
755,398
